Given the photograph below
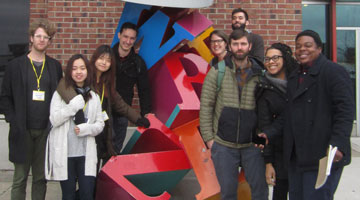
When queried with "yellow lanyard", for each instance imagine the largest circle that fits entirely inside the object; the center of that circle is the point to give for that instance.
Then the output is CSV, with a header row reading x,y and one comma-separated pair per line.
x,y
38,77
85,107
102,95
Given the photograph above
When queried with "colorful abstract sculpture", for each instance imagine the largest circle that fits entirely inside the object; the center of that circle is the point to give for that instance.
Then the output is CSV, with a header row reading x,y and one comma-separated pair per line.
x,y
174,47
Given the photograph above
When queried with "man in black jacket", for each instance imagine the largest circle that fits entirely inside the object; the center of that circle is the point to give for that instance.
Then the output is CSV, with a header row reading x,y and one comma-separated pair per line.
x,y
29,83
319,113
131,70
239,20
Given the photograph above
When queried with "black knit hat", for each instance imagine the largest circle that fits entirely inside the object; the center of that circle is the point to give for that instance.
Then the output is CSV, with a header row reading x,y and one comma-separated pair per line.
x,y
312,34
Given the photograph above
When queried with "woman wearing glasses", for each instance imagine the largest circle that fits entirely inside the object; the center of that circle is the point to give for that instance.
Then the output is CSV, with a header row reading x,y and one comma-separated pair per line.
x,y
271,101
218,46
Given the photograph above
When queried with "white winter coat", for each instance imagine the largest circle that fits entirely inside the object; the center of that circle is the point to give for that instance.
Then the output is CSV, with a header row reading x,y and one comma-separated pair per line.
x,y
56,147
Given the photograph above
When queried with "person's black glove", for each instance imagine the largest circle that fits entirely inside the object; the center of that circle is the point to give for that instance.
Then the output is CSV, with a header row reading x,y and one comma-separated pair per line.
x,y
83,91
143,121
79,117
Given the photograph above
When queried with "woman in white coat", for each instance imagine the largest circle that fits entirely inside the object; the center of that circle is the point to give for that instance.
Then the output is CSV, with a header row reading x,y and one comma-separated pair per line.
x,y
71,148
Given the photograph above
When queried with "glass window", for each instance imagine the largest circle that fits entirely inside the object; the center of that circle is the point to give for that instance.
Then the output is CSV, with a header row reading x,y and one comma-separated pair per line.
x,y
315,17
14,23
346,15
346,43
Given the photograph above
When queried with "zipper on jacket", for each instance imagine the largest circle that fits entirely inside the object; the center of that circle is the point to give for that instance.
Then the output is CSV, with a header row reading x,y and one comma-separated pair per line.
x,y
238,128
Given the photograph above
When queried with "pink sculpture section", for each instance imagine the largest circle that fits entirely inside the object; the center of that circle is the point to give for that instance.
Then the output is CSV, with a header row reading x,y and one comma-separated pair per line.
x,y
174,47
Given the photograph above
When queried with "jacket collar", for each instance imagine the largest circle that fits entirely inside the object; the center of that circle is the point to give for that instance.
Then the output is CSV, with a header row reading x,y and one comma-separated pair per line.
x,y
309,80
314,69
316,66
256,66
116,52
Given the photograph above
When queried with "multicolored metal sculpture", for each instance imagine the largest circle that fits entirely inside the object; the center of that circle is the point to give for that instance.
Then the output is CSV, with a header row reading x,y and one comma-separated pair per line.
x,y
173,45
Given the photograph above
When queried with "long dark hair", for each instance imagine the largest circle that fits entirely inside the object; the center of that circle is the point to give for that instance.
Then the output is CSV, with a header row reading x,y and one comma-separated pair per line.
x,y
69,82
289,61
108,77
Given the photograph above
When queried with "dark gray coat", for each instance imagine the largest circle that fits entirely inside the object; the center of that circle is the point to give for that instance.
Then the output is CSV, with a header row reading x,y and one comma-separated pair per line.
x,y
320,111
13,102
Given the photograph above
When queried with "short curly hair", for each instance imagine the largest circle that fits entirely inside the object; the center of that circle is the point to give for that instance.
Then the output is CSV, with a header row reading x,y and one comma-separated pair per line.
x,y
289,61
44,24
312,34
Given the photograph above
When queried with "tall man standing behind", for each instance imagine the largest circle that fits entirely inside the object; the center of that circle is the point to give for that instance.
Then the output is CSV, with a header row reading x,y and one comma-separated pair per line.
x,y
239,20
28,85
130,70
228,120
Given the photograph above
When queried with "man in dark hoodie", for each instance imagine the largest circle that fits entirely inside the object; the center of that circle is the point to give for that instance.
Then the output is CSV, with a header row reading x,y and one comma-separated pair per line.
x,y
131,70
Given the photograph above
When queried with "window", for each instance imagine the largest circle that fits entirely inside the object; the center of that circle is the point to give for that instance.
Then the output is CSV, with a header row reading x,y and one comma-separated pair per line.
x,y
316,18
14,23
346,15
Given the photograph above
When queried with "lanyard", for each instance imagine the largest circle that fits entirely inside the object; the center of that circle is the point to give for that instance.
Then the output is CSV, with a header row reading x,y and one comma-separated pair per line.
x,y
102,95
38,77
85,107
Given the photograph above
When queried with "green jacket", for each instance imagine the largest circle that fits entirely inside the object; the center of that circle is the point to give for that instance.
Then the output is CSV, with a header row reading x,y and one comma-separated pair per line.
x,y
224,117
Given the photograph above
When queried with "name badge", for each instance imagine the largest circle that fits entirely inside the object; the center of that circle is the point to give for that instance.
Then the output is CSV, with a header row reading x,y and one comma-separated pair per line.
x,y
38,95
105,116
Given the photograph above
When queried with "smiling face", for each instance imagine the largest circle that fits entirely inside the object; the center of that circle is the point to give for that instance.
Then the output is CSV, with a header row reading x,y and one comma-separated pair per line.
x,y
127,39
217,45
274,62
40,40
306,50
238,20
79,72
103,63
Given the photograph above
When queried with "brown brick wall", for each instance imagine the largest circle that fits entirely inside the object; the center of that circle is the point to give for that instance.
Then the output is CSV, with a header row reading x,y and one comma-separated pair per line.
x,y
82,25
274,20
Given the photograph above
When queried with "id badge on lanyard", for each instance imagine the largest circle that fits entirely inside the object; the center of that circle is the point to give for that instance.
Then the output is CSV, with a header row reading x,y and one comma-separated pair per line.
x,y
38,95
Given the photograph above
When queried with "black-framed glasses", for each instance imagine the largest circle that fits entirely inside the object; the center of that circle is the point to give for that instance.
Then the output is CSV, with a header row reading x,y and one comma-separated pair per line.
x,y
216,41
274,58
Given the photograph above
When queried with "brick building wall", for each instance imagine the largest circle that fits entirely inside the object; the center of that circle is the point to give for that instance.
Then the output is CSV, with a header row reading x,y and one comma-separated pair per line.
x,y
82,25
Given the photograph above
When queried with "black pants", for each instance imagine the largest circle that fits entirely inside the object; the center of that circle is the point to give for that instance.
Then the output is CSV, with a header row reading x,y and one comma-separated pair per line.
x,y
281,189
76,172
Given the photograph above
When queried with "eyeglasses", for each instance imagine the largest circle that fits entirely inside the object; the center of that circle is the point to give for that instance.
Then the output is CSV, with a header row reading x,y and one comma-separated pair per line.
x,y
39,37
216,41
274,58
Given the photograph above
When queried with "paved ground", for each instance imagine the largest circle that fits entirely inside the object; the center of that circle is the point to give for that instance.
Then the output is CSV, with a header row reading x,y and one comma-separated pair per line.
x,y
349,187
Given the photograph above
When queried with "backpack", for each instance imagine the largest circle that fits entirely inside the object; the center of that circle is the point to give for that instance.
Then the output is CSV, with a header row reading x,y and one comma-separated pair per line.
x,y
221,73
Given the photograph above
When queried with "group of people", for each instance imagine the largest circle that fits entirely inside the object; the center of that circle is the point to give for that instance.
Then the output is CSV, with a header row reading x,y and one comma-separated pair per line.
x,y
273,115
60,127
266,112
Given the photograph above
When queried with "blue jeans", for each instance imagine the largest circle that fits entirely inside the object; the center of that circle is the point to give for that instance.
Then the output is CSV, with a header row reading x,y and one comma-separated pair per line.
x,y
302,184
227,161
76,171
120,125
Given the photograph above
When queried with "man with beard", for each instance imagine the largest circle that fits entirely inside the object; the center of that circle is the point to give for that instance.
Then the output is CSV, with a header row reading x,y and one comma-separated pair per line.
x,y
239,20
228,119
29,82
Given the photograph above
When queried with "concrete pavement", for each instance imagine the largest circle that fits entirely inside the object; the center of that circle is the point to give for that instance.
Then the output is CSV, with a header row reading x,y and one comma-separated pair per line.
x,y
348,189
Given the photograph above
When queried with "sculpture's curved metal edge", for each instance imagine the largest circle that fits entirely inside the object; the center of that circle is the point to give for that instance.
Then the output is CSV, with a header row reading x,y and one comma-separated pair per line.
x,y
175,3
